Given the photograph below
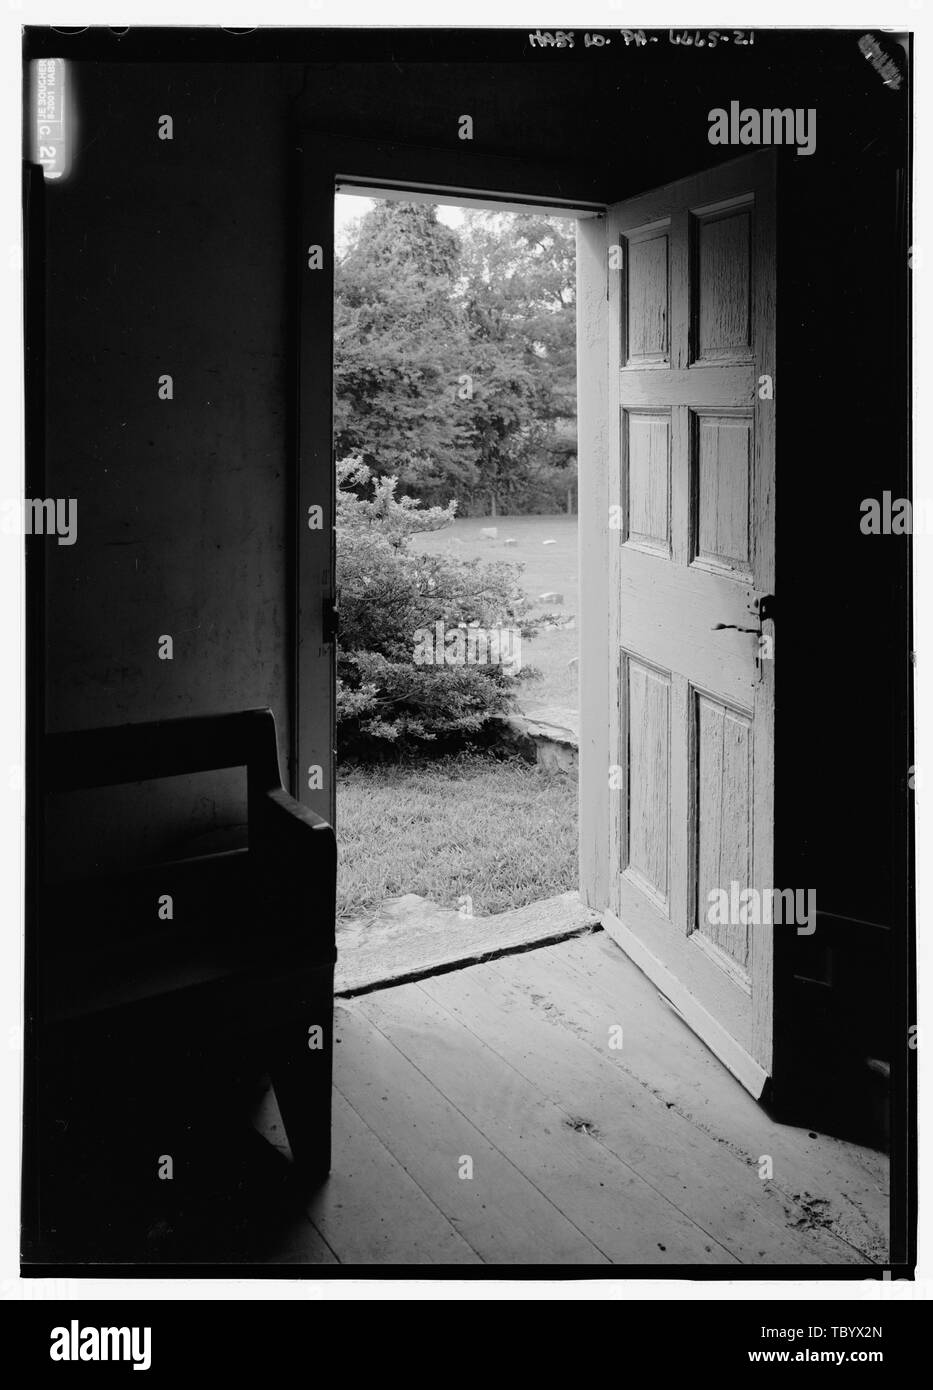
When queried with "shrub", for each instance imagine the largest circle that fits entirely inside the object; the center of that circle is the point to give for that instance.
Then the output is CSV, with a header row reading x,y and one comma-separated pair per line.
x,y
386,596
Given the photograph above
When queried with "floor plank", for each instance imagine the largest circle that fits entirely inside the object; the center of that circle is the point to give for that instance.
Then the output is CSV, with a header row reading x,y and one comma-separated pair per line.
x,y
369,1211
499,1212
621,1213
581,1154
721,1191
827,1183
372,1212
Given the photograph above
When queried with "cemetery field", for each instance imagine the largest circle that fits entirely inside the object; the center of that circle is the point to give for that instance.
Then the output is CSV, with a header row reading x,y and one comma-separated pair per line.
x,y
547,569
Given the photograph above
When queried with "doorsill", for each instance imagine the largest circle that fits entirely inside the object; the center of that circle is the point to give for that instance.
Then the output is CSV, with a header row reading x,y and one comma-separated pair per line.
x,y
399,947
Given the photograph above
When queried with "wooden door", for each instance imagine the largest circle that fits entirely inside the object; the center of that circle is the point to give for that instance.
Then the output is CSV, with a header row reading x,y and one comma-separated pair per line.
x,y
685,471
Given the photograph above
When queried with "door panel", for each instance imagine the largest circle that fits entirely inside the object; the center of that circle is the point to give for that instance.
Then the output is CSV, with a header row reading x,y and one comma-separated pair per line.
x,y
691,331
647,447
722,286
647,317
723,463
723,816
648,700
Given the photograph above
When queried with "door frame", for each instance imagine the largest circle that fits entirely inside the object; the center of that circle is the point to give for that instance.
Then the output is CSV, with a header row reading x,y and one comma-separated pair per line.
x,y
328,162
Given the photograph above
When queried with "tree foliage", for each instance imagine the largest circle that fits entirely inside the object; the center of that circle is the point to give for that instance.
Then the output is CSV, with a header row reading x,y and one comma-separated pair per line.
x,y
398,340
455,355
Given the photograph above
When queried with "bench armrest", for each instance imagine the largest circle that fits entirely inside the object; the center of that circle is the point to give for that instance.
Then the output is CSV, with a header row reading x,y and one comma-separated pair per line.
x,y
296,854
288,818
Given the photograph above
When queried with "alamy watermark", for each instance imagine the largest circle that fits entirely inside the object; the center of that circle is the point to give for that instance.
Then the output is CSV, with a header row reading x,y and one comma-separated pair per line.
x,y
743,907
888,515
468,645
41,516
770,126
77,1343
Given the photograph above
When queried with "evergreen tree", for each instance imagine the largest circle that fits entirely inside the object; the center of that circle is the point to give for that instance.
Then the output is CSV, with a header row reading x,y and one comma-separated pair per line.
x,y
398,346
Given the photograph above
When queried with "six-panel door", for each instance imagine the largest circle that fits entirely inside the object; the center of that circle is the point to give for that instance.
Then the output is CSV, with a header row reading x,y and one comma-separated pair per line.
x,y
691,284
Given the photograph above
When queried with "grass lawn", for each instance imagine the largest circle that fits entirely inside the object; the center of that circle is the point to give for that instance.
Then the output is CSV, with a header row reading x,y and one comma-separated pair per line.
x,y
504,832
548,569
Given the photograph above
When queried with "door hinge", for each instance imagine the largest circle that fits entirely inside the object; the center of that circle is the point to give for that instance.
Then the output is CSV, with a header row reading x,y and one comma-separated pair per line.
x,y
330,621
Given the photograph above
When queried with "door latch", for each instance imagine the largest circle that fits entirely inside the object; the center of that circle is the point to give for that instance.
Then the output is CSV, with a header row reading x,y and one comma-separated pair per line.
x,y
763,609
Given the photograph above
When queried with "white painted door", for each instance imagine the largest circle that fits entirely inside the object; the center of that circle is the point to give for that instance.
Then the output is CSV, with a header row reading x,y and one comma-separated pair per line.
x,y
677,461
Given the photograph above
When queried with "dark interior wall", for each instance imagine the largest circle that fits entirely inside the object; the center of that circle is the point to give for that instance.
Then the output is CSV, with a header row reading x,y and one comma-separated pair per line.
x,y
843,678
845,604
166,257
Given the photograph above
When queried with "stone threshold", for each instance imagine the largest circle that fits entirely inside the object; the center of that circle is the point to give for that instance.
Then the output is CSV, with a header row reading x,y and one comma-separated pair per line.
x,y
548,735
410,937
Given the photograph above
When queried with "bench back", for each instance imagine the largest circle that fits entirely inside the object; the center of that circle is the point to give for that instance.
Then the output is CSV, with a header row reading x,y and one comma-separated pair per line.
x,y
164,748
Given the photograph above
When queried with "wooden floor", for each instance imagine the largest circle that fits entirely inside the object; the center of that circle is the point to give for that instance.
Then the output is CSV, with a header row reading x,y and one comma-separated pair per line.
x,y
481,1116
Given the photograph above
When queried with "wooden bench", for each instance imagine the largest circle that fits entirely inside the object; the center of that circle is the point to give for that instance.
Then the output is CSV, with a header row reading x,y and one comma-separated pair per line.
x,y
121,997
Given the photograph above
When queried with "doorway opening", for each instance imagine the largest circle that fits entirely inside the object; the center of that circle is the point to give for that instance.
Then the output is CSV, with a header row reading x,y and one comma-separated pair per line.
x,y
457,710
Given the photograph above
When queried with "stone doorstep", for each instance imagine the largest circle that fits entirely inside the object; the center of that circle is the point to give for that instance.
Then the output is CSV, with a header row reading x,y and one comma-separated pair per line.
x,y
550,732
410,937
548,725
